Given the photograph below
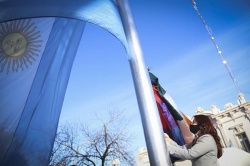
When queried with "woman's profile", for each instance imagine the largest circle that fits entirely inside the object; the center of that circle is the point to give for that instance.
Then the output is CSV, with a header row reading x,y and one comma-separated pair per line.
x,y
206,147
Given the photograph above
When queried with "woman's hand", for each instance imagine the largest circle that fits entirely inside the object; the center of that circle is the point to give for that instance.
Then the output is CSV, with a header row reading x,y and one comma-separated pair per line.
x,y
167,139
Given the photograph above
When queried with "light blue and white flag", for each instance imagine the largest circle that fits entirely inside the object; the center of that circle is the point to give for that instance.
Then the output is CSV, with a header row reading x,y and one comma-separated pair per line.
x,y
38,43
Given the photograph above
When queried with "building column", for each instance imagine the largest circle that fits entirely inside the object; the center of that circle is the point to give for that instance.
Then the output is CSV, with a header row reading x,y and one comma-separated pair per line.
x,y
220,127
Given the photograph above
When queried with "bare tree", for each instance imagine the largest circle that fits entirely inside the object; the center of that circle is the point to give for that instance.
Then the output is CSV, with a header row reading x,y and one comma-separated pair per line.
x,y
77,144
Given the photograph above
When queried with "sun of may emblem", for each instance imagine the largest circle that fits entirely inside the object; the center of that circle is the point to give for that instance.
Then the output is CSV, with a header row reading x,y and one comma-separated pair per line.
x,y
19,45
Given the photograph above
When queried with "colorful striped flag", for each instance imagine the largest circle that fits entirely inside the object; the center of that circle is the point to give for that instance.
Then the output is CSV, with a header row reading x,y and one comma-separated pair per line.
x,y
174,122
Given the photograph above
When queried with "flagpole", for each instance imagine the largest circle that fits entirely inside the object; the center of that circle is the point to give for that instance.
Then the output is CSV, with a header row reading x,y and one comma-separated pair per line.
x,y
156,147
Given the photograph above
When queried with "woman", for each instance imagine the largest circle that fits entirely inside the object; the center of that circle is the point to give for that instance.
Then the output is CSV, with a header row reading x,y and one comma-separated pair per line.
x,y
205,149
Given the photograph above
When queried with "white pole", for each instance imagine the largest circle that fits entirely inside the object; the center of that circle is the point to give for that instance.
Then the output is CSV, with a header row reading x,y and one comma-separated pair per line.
x,y
153,132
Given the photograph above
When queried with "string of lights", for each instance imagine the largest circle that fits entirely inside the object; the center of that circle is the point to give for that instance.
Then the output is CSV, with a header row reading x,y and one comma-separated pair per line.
x,y
217,47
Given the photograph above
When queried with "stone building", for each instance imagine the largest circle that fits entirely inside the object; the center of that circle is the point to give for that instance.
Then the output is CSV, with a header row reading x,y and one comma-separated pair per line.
x,y
142,158
232,124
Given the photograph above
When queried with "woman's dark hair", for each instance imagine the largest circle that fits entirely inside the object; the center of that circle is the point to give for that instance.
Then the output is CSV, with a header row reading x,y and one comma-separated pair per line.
x,y
206,127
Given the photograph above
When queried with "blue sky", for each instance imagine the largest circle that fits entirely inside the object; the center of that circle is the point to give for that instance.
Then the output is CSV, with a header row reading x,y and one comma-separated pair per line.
x,y
179,51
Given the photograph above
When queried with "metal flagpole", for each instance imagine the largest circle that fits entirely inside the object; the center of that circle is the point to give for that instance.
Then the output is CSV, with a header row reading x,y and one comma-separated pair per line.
x,y
156,147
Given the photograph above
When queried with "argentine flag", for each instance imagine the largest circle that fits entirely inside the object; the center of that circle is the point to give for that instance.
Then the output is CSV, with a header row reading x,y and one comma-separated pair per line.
x,y
38,43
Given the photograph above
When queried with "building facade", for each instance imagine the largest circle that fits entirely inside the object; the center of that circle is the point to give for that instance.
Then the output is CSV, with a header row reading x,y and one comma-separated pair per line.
x,y
232,123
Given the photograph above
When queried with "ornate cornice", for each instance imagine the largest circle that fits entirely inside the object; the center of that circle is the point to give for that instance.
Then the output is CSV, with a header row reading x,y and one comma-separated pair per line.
x,y
245,108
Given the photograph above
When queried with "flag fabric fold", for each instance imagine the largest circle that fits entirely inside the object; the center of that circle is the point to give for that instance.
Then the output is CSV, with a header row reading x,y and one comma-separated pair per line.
x,y
103,13
29,136
38,44
174,122
173,130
